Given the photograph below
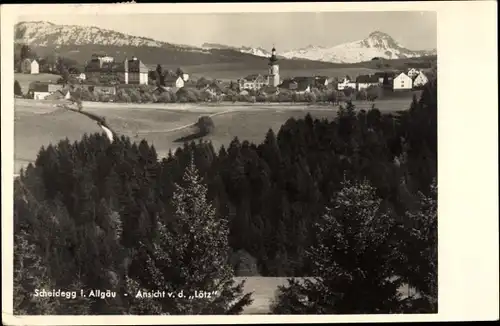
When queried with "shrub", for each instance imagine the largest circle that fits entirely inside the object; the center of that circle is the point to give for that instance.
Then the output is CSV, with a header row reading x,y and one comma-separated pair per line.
x,y
206,125
17,88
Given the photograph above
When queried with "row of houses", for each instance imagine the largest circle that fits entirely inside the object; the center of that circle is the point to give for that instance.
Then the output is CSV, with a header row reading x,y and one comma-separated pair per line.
x,y
29,66
395,80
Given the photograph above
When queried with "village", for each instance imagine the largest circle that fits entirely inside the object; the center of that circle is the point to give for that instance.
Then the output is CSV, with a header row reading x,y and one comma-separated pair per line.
x,y
106,79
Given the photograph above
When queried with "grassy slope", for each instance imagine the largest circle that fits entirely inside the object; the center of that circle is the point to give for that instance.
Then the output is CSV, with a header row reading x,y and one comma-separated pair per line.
x,y
39,123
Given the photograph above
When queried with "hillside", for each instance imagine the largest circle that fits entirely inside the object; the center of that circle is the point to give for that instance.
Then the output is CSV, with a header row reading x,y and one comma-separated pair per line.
x,y
80,42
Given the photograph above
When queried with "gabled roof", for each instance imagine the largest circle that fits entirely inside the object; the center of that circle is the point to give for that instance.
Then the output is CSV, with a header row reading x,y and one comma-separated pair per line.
x,y
253,77
303,82
39,87
401,74
137,66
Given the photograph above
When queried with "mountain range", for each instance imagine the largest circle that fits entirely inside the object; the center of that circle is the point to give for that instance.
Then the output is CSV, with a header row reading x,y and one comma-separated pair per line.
x,y
376,45
79,42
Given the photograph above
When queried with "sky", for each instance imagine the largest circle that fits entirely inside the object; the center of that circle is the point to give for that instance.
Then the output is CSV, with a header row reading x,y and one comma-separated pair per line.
x,y
414,30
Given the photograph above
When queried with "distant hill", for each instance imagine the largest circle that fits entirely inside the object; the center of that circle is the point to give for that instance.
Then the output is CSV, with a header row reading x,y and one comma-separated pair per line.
x,y
80,42
213,60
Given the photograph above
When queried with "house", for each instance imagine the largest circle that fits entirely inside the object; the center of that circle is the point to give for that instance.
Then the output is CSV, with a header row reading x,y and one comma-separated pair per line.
x,y
40,91
136,72
402,82
25,67
413,72
380,76
131,71
320,81
185,77
298,84
420,80
81,77
254,82
346,83
301,85
34,67
174,81
365,81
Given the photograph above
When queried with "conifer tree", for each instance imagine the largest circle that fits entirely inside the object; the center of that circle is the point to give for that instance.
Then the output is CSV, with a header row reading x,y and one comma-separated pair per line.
x,y
420,259
190,255
30,273
351,260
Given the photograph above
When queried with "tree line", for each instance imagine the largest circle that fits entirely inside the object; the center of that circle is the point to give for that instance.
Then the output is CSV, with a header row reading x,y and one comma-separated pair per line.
x,y
350,202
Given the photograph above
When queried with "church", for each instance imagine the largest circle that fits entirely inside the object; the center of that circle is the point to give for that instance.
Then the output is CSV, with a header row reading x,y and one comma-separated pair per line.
x,y
257,81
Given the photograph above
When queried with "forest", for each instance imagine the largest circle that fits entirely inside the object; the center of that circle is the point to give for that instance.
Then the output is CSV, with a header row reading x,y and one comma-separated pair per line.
x,y
350,202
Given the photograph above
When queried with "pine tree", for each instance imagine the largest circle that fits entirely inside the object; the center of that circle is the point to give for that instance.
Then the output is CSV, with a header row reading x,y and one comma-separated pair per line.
x,y
420,259
351,260
191,255
30,274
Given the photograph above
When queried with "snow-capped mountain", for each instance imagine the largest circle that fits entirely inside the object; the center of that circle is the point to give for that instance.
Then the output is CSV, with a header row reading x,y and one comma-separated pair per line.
x,y
47,34
377,44
257,51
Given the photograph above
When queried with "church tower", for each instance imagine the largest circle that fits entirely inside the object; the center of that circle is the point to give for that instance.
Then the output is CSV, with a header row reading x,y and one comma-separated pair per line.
x,y
274,71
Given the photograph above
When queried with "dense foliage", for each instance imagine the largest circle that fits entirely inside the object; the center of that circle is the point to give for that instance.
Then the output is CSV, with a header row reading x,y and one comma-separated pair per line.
x,y
112,212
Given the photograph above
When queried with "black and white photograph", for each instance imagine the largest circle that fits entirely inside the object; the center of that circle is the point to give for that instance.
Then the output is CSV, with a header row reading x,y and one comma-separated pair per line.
x,y
225,163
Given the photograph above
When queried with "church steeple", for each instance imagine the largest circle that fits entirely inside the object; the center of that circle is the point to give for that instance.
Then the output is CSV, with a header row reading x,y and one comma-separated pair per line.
x,y
274,74
273,59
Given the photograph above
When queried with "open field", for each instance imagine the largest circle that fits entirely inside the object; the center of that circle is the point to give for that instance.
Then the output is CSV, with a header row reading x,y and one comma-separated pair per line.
x,y
25,79
38,123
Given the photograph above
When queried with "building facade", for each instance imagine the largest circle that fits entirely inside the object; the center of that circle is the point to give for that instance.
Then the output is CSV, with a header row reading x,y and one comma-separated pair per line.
x,y
131,71
274,70
34,67
402,82
420,80
253,82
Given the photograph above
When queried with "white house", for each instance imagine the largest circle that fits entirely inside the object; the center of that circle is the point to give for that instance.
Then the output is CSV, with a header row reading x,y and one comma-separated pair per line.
x,y
34,67
185,77
420,80
135,72
413,72
81,76
174,81
39,90
365,81
402,82
254,82
346,83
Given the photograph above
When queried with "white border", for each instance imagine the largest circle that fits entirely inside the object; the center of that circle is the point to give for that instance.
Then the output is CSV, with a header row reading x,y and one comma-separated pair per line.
x,y
467,169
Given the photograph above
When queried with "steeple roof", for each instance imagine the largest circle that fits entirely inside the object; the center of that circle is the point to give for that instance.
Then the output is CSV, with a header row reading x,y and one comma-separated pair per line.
x,y
273,59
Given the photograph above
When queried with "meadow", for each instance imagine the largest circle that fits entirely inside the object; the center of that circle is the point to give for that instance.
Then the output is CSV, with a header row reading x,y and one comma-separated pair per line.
x,y
38,123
